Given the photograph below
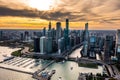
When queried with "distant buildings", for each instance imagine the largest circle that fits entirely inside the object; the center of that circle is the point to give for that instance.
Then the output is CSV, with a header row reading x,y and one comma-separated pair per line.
x,y
1,35
57,40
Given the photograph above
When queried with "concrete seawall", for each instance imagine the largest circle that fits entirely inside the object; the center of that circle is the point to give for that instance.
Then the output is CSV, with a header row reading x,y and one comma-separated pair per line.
x,y
16,70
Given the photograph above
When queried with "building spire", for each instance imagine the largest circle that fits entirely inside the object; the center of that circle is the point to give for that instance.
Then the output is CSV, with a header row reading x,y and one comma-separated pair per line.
x,y
49,25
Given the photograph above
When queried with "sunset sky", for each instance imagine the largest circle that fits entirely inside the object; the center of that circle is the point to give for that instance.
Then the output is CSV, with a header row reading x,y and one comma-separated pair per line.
x,y
36,14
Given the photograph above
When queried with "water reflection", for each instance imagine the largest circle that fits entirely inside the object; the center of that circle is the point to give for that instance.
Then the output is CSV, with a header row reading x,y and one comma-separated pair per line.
x,y
64,70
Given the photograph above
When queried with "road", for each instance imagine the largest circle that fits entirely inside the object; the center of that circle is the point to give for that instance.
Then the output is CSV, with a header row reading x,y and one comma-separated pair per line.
x,y
25,50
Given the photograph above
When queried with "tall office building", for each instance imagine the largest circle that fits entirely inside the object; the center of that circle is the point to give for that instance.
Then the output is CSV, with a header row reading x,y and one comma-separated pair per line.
x,y
107,49
85,49
36,44
71,41
92,46
58,31
49,33
60,45
101,43
92,41
67,25
53,32
49,26
85,41
67,31
43,45
1,35
66,34
118,44
26,35
44,31
86,36
22,36
49,44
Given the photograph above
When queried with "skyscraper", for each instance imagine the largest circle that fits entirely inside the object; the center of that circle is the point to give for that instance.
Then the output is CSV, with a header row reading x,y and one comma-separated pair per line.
x,y
49,44
60,45
36,44
58,31
86,32
22,36
49,26
43,45
26,35
107,49
66,34
1,35
44,31
85,41
67,25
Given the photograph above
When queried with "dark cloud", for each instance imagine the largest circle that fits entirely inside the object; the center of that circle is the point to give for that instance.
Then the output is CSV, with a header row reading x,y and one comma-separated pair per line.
x,y
76,10
22,13
57,15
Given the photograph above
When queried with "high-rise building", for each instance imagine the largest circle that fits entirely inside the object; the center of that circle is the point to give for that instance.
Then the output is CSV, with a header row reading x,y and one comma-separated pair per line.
x,y
44,31
1,35
58,31
107,49
49,33
60,45
86,36
92,46
26,35
92,41
101,43
118,44
49,44
71,41
36,44
49,26
53,32
22,36
67,31
66,34
85,49
43,45
85,41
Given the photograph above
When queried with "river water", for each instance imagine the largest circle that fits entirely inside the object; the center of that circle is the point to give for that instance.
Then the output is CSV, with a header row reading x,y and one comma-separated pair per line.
x,y
63,70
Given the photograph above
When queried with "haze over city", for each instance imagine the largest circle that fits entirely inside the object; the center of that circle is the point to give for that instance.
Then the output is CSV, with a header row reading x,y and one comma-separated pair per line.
x,y
36,14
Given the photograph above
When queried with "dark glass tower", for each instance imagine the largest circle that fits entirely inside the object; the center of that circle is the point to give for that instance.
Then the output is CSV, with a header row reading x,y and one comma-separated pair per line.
x,y
49,25
67,32
44,31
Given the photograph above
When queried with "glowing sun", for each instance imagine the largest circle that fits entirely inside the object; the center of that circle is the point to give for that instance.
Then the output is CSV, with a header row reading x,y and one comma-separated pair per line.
x,y
41,4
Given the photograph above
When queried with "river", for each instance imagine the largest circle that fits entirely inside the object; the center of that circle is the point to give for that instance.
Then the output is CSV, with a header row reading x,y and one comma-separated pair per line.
x,y
63,70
